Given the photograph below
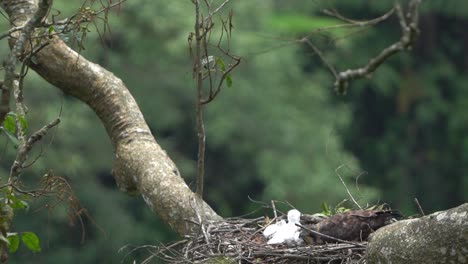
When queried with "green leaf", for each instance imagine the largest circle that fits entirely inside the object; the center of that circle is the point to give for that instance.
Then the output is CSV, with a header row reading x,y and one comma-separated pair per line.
x,y
342,210
228,80
221,64
31,241
321,215
325,209
9,124
13,242
19,204
16,203
51,29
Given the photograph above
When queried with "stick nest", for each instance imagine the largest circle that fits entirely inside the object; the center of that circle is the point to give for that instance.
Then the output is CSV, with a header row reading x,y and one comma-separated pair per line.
x,y
237,240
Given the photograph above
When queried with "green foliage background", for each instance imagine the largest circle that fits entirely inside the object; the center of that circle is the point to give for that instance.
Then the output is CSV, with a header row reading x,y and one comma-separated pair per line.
x,y
279,133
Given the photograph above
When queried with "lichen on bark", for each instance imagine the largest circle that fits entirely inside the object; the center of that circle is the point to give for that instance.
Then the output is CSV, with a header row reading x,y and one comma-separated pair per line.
x,y
441,237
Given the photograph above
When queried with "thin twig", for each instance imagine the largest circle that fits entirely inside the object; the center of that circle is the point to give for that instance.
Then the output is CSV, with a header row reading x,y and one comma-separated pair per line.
x,y
352,23
361,23
111,5
22,154
274,208
319,53
419,206
346,187
217,9
212,96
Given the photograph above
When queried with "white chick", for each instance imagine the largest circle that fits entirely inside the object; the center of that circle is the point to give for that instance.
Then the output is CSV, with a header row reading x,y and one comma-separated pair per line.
x,y
289,232
273,228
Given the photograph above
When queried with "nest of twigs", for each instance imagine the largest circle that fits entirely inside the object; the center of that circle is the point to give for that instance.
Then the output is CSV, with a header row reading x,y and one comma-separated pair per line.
x,y
238,240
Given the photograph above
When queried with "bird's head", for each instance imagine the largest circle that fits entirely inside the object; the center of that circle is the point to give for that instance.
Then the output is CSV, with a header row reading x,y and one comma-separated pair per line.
x,y
294,216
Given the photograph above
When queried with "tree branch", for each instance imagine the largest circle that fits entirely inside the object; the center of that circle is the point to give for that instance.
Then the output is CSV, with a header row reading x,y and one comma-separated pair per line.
x,y
23,151
13,82
199,105
11,78
141,165
409,26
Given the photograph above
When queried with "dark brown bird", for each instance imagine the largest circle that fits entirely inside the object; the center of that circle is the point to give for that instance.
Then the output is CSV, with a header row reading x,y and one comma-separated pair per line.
x,y
350,226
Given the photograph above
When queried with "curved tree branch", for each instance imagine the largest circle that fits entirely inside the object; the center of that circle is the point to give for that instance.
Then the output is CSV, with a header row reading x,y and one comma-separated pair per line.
x,y
141,165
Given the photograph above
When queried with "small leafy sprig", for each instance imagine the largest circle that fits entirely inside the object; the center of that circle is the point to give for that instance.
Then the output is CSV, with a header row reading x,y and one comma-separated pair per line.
x,y
8,205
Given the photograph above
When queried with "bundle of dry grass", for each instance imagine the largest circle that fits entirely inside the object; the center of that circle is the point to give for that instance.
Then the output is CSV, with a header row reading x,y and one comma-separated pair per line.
x,y
239,240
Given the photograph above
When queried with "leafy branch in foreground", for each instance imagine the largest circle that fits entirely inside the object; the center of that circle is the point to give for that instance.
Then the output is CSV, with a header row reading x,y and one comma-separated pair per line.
x,y
29,40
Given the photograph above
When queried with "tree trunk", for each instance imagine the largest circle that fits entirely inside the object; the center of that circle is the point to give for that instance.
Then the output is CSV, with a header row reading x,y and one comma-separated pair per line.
x,y
441,237
141,166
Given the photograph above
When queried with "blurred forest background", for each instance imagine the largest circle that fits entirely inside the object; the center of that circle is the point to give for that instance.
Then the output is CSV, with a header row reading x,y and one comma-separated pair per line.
x,y
280,132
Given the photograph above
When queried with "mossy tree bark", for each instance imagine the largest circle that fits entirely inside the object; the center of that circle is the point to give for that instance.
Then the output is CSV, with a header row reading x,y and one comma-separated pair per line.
x,y
441,237
141,165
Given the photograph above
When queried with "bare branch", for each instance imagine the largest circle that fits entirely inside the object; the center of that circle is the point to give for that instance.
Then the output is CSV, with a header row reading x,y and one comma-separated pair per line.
x,y
365,23
217,9
10,31
409,26
11,78
319,53
199,107
13,82
23,151
349,22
